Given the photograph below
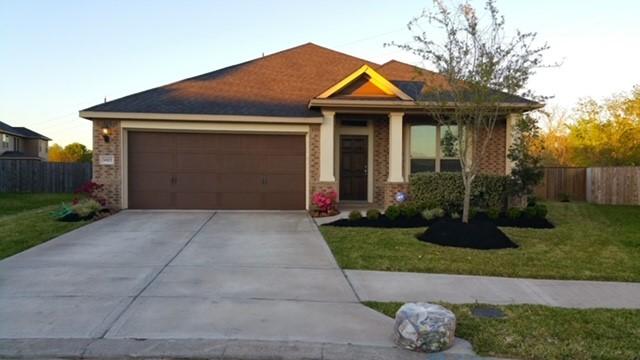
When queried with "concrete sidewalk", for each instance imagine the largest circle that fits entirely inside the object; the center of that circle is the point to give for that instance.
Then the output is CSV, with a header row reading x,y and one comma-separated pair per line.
x,y
407,287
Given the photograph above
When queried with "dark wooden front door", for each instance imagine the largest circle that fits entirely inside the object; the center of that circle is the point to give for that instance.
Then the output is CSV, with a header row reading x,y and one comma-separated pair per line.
x,y
353,167
216,171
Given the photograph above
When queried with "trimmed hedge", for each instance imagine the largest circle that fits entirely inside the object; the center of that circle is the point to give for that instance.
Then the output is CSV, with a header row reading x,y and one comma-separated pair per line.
x,y
446,190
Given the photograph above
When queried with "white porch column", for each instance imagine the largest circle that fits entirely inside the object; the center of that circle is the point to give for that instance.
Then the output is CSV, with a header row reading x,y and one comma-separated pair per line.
x,y
511,121
327,147
395,147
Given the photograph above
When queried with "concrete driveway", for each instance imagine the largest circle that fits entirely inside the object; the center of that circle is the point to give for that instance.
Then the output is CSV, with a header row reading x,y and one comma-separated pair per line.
x,y
161,284
186,275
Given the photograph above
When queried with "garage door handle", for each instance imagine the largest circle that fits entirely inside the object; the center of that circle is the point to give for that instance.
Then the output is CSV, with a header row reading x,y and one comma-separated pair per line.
x,y
174,180
264,180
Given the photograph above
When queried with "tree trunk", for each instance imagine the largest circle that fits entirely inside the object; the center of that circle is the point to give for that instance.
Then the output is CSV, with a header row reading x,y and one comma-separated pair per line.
x,y
466,204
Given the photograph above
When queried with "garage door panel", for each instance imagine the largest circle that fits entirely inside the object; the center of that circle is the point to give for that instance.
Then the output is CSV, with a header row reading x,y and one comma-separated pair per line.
x,y
196,182
239,183
286,200
150,200
284,164
283,145
150,182
152,162
284,182
151,142
198,162
199,143
240,163
216,171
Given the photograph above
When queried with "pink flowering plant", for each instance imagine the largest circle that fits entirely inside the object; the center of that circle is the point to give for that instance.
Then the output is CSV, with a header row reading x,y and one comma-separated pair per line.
x,y
325,202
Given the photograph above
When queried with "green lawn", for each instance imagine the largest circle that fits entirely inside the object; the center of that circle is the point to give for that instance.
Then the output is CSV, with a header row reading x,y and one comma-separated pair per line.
x,y
590,242
540,332
25,221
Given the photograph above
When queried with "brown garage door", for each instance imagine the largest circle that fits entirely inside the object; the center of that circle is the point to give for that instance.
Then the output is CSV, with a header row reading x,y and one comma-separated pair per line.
x,y
216,171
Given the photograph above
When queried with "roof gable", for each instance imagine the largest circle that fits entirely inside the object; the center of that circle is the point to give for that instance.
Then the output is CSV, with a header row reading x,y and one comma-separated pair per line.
x,y
364,82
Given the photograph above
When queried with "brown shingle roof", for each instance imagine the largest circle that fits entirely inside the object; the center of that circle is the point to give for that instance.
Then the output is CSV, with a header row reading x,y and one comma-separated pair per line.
x,y
280,84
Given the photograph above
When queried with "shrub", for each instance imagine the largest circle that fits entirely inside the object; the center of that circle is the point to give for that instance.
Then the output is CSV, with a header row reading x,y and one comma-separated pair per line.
x,y
392,212
428,215
89,190
355,215
446,190
529,212
514,213
455,215
373,214
325,201
564,197
409,209
541,211
86,208
473,212
438,212
493,213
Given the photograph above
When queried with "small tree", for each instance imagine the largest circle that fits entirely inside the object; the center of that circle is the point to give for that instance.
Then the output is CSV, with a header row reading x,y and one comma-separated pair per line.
x,y
480,67
524,153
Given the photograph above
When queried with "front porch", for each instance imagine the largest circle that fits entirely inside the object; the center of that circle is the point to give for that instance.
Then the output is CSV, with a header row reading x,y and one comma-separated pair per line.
x,y
361,157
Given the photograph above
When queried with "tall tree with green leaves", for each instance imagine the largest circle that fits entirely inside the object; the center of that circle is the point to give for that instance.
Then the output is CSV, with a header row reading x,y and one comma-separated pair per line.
x,y
482,65
524,153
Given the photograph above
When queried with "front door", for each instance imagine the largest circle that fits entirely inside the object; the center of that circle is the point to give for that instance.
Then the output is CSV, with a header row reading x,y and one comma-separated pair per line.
x,y
353,167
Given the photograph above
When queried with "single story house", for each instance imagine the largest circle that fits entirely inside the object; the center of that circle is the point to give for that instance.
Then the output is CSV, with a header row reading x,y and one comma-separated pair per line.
x,y
270,132
22,143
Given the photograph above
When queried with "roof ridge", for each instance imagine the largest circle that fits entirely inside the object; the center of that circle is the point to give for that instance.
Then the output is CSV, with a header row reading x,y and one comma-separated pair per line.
x,y
414,66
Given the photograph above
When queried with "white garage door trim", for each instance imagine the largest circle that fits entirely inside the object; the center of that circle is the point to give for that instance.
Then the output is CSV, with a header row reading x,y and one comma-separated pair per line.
x,y
217,127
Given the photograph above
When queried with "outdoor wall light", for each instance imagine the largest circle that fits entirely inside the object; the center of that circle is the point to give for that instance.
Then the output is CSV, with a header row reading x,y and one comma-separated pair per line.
x,y
106,134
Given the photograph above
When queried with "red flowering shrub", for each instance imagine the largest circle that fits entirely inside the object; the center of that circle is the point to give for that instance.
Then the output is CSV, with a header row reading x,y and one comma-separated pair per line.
x,y
89,190
325,201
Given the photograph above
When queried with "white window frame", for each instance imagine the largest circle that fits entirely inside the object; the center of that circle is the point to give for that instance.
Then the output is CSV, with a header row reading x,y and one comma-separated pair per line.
x,y
439,155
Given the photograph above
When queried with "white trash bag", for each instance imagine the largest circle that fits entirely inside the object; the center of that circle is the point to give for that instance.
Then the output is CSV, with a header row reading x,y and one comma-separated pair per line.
x,y
424,327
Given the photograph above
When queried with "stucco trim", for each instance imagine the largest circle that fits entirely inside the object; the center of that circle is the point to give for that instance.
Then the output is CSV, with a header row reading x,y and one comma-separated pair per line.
x,y
91,115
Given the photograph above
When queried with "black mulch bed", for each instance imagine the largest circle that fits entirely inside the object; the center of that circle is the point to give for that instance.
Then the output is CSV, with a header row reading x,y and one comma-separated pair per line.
x,y
477,234
419,221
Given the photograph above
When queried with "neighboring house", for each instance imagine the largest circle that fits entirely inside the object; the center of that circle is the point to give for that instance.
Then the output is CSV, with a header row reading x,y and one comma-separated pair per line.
x,y
270,132
22,143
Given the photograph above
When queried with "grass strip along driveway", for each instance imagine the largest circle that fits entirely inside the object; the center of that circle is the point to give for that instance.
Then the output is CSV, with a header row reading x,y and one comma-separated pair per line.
x,y
25,221
590,242
541,332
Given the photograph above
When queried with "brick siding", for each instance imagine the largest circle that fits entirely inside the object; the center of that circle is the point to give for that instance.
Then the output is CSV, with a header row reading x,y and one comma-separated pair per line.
x,y
315,185
494,160
108,175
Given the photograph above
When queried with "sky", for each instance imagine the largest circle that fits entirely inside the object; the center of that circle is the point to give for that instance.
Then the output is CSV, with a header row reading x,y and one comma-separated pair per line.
x,y
58,57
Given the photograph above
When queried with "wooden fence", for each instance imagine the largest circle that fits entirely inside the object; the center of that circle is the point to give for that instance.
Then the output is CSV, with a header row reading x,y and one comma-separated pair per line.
x,y
614,185
561,182
600,185
25,175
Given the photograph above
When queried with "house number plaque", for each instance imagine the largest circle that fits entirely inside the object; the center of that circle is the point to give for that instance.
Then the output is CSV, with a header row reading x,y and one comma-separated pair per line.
x,y
106,160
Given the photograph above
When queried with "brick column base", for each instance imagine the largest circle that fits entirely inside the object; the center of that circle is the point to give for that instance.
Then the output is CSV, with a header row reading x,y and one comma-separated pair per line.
x,y
390,190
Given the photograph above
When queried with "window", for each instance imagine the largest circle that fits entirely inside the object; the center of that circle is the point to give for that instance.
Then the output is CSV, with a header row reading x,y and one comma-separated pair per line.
x,y
434,148
5,141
